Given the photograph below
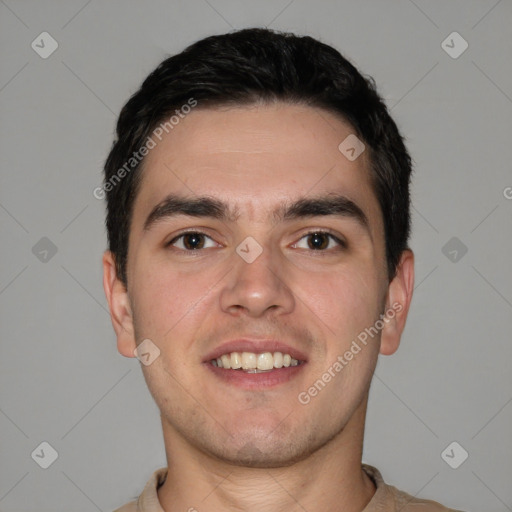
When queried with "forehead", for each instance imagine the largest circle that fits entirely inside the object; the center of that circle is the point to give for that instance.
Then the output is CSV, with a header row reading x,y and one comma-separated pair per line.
x,y
255,158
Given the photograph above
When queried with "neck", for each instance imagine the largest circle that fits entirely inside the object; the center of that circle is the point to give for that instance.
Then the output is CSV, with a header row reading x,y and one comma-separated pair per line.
x,y
329,479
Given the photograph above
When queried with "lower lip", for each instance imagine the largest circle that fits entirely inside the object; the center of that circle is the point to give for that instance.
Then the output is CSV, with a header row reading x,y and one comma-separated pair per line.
x,y
256,380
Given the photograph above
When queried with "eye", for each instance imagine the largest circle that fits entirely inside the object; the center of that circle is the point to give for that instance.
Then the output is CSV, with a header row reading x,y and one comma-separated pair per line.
x,y
320,241
191,241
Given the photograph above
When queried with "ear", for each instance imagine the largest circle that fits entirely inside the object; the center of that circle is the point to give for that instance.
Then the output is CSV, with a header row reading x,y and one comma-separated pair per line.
x,y
119,305
398,300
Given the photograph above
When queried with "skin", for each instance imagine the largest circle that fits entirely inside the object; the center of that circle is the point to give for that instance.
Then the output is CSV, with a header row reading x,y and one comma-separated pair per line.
x,y
236,449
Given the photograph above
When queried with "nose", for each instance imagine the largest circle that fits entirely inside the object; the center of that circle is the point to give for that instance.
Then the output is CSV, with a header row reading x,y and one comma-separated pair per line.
x,y
253,288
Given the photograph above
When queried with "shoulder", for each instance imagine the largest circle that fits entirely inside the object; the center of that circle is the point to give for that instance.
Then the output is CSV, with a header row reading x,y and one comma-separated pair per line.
x,y
407,503
129,507
148,499
390,499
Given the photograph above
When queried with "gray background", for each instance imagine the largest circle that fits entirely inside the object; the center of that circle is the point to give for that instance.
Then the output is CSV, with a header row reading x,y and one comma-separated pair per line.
x,y
61,378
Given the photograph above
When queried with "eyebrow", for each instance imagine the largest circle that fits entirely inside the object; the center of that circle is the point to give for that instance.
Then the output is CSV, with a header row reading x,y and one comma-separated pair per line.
x,y
330,205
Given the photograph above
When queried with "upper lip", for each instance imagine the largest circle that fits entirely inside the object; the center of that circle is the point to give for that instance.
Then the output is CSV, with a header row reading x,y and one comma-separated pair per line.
x,y
256,346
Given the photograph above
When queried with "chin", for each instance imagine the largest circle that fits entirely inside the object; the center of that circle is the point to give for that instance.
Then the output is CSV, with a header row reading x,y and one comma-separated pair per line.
x,y
250,456
265,451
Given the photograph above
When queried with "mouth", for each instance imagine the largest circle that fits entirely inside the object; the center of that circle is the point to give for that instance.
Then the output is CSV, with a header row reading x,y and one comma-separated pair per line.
x,y
252,362
255,364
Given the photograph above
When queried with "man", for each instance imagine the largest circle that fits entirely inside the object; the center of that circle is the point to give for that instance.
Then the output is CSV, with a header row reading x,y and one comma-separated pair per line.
x,y
258,221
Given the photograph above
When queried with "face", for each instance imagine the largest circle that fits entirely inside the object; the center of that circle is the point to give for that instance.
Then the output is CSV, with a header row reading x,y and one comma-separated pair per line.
x,y
252,233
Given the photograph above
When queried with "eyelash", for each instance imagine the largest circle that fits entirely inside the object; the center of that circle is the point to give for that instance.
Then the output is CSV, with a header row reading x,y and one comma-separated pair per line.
x,y
341,243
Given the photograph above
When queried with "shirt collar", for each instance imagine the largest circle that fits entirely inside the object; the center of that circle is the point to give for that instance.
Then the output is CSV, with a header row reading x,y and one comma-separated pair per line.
x,y
381,500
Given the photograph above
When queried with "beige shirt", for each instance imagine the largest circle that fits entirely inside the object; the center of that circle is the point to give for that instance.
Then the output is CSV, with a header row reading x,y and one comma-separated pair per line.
x,y
386,498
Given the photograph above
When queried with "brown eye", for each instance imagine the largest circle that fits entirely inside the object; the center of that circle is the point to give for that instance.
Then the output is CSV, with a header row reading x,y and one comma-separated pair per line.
x,y
320,241
190,241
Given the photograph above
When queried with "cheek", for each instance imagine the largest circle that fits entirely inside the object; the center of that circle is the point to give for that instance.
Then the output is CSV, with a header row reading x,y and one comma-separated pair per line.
x,y
170,304
160,299
345,301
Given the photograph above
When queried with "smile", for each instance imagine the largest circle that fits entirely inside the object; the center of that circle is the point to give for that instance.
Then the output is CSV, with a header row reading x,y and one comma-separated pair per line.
x,y
252,362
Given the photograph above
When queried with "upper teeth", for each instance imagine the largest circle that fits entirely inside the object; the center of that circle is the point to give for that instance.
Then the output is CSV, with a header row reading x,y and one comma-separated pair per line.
x,y
252,361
